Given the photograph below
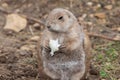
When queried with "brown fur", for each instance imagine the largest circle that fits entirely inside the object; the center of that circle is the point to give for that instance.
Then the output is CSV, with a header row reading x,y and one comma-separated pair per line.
x,y
69,62
87,49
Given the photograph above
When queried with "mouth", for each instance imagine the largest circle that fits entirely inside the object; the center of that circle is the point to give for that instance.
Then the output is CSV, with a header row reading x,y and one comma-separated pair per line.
x,y
53,30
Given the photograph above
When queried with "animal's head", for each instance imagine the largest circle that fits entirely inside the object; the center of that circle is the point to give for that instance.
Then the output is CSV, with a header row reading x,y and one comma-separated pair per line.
x,y
60,20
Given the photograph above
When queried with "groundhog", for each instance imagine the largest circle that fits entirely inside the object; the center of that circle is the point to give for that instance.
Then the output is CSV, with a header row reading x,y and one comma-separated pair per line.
x,y
71,60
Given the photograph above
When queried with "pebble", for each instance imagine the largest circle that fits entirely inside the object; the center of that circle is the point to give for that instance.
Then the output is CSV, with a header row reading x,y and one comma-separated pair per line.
x,y
36,25
91,15
89,3
103,79
4,5
84,16
34,38
25,47
100,15
89,23
98,5
117,37
118,29
108,7
28,47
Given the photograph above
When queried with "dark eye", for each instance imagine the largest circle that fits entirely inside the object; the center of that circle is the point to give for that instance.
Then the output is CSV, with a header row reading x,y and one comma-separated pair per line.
x,y
60,18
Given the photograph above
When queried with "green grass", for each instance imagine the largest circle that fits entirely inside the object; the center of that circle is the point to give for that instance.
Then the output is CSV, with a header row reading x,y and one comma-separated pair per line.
x,y
107,60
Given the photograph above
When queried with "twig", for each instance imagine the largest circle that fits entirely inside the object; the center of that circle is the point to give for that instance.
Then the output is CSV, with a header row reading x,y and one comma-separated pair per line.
x,y
33,19
5,11
102,36
37,77
1,55
71,3
31,30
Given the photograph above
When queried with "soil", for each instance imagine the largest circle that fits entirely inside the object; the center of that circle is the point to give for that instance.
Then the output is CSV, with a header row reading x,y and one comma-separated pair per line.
x,y
21,64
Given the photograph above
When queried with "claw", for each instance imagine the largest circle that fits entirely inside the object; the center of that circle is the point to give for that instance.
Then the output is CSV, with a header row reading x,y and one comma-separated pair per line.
x,y
62,47
47,48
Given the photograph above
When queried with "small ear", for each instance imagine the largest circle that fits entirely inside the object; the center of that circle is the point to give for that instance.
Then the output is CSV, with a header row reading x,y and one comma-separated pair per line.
x,y
70,15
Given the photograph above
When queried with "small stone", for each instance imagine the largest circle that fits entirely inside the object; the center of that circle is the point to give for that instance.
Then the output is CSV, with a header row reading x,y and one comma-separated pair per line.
x,y
118,29
32,46
28,47
25,53
22,52
26,50
89,23
101,21
45,16
4,5
36,25
89,3
100,15
108,7
29,5
91,15
117,37
35,38
98,6
25,47
103,79
80,18
15,22
17,10
42,27
84,16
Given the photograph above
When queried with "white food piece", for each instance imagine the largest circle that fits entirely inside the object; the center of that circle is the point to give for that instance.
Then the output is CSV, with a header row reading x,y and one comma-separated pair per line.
x,y
54,46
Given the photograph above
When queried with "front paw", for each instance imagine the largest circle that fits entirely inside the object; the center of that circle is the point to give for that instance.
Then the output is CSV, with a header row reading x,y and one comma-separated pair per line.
x,y
46,46
62,48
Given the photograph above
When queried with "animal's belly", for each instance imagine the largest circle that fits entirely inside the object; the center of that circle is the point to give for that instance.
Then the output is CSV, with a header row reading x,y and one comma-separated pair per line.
x,y
72,66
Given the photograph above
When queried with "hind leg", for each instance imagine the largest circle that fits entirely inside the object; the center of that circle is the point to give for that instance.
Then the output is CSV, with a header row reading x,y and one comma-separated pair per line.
x,y
78,75
51,74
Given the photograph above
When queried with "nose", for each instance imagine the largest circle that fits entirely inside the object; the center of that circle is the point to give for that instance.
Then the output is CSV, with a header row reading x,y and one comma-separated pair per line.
x,y
48,26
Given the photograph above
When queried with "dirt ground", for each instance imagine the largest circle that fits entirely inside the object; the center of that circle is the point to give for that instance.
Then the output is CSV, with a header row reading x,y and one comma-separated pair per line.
x,y
18,59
